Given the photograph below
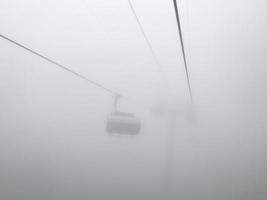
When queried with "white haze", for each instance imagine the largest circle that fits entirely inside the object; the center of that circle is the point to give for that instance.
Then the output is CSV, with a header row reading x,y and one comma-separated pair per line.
x,y
53,143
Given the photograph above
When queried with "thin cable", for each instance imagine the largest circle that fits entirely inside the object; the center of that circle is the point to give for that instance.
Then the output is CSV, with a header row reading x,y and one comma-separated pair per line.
x,y
143,32
153,53
60,66
183,49
114,93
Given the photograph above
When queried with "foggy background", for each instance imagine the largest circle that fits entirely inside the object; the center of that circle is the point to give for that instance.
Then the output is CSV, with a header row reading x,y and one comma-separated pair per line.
x,y
53,142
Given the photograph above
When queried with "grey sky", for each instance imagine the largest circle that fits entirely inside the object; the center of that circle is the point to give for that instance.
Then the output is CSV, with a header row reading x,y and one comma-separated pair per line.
x,y
53,143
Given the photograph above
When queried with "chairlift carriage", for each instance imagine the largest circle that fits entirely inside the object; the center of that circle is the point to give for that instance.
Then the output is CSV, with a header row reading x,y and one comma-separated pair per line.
x,y
122,122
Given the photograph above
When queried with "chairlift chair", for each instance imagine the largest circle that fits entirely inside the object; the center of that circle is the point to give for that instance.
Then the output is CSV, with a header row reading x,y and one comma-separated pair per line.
x,y
123,123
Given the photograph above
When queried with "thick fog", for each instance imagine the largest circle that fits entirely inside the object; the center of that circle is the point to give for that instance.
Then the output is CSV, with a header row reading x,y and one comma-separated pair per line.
x,y
53,139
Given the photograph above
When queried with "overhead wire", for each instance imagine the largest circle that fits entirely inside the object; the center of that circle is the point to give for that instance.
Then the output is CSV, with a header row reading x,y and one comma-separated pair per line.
x,y
100,86
114,93
183,48
153,53
61,66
